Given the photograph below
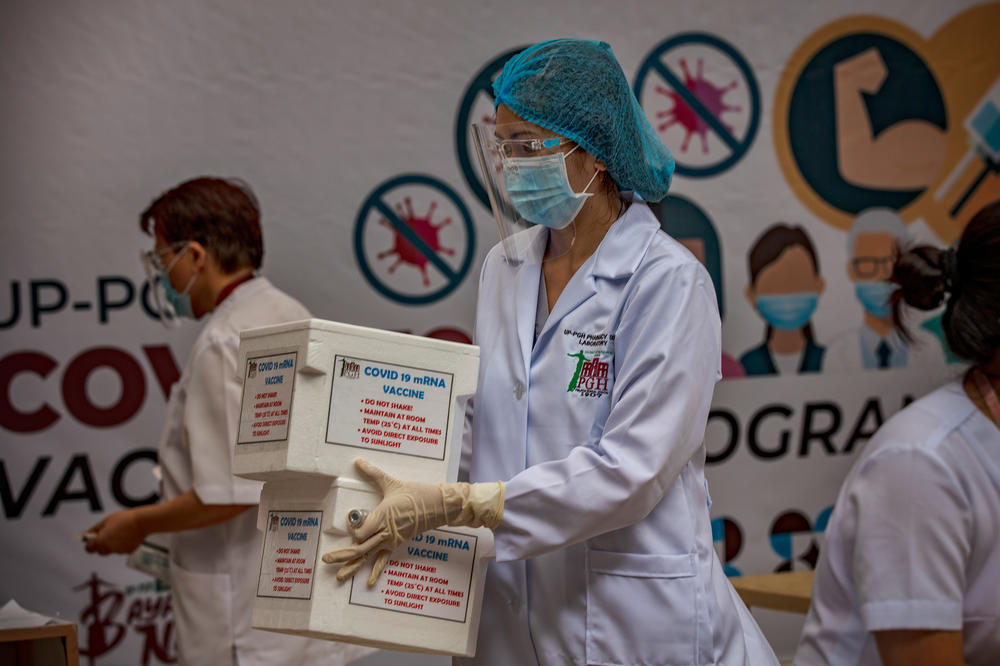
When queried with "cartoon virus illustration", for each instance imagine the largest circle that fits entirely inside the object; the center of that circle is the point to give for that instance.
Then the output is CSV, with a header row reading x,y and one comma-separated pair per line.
x,y
425,229
707,93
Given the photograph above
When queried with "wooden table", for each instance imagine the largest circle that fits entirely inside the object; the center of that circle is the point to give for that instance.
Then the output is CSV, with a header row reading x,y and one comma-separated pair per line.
x,y
788,591
66,631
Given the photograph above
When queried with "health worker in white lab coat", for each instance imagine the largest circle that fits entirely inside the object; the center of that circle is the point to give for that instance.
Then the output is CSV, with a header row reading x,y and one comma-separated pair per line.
x,y
600,344
208,246
909,574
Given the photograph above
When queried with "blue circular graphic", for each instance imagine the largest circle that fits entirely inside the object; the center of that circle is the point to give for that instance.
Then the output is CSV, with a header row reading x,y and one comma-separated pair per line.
x,y
482,83
738,147
409,241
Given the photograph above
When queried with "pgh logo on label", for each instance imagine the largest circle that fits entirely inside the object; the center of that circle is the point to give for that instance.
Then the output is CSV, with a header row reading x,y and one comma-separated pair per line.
x,y
349,369
590,378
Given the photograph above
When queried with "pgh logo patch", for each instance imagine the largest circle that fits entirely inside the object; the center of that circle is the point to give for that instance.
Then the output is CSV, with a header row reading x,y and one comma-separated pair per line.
x,y
590,376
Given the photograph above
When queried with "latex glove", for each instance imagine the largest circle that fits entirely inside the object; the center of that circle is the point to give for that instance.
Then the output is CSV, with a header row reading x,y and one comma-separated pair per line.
x,y
409,508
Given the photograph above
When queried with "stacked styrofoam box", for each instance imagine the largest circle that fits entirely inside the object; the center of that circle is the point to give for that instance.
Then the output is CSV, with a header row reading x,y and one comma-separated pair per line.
x,y
316,396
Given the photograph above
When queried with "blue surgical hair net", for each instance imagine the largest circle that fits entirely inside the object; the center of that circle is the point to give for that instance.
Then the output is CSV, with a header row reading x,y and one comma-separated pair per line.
x,y
576,88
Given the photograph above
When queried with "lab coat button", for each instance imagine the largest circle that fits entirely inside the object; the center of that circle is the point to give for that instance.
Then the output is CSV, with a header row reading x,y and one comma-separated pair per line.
x,y
519,390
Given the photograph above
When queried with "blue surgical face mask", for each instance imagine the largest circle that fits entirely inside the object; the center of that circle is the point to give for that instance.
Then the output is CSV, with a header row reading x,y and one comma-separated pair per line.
x,y
788,312
540,191
180,302
874,296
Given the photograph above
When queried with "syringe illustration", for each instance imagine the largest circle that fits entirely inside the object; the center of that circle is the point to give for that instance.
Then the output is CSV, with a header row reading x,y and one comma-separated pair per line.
x,y
983,126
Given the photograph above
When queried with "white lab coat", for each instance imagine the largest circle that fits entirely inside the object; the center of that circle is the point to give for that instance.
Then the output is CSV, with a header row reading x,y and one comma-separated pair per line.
x,y
214,570
604,552
913,540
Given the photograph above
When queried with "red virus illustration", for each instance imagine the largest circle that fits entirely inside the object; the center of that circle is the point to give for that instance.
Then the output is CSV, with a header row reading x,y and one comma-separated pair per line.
x,y
425,228
707,93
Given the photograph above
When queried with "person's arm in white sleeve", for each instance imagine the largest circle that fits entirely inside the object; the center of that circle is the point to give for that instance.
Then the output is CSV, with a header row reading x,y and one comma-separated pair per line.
x,y
913,539
211,421
667,359
123,531
211,418
914,647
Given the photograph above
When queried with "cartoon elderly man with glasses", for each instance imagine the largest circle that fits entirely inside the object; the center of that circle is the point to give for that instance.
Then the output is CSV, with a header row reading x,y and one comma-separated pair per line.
x,y
872,244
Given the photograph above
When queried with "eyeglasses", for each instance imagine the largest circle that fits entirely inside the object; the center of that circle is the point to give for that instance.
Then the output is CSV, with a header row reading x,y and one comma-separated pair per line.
x,y
528,147
152,262
868,267
153,259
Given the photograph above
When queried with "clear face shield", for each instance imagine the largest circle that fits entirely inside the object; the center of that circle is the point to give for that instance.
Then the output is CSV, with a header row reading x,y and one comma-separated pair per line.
x,y
166,300
534,205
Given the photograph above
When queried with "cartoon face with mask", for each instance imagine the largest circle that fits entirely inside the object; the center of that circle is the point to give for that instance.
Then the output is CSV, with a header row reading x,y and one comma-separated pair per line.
x,y
870,268
785,286
872,246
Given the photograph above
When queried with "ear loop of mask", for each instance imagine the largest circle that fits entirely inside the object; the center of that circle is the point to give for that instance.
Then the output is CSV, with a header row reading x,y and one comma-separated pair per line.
x,y
592,178
190,282
166,271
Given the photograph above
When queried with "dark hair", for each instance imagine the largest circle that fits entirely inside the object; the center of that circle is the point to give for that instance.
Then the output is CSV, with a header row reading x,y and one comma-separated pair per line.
x,y
966,279
220,214
770,245
773,242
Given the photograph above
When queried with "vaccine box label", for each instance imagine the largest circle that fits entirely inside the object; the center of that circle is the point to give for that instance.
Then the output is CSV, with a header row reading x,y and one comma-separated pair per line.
x,y
267,398
430,575
291,545
388,407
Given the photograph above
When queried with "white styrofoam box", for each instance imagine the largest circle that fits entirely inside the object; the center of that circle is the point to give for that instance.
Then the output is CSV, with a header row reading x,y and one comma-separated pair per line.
x,y
428,599
318,394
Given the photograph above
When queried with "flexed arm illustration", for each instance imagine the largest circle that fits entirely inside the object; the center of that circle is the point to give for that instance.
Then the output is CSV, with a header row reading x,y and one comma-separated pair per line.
x,y
905,156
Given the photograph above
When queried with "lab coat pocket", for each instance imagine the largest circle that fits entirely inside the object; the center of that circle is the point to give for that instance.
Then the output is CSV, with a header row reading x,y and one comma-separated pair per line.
x,y
641,609
203,616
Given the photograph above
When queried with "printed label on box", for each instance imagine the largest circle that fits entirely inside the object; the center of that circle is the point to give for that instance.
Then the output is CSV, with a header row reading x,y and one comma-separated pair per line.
x,y
291,545
267,398
430,575
386,407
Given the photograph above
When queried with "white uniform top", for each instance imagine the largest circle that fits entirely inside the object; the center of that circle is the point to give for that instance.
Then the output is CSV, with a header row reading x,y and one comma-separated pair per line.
x,y
914,540
604,552
213,570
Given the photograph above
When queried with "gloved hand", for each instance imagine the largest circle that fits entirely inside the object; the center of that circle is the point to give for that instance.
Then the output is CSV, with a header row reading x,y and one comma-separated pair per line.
x,y
410,508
